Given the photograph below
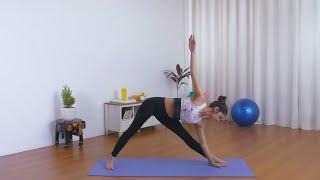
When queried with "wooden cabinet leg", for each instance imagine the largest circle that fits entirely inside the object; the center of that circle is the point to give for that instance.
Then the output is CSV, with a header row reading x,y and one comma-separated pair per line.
x,y
80,137
68,136
67,140
107,132
57,138
119,134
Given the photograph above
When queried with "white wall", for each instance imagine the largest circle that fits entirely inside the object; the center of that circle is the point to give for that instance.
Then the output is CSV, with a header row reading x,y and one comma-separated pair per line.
x,y
94,46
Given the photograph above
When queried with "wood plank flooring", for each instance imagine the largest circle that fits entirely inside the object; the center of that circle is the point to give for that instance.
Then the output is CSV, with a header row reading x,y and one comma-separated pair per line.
x,y
273,153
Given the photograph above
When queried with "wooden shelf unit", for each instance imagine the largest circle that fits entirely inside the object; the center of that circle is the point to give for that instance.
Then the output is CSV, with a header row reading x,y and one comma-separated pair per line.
x,y
115,119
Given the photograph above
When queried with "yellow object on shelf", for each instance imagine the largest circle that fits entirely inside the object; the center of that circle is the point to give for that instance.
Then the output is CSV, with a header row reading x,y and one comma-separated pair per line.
x,y
123,94
138,97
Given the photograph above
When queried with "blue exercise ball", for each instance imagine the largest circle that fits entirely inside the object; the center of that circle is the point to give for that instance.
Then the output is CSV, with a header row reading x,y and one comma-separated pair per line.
x,y
245,112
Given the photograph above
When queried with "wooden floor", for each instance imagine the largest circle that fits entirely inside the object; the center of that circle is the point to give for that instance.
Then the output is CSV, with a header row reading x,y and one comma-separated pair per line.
x,y
274,153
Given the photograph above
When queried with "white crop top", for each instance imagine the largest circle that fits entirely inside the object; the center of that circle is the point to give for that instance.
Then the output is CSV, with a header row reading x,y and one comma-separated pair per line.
x,y
190,113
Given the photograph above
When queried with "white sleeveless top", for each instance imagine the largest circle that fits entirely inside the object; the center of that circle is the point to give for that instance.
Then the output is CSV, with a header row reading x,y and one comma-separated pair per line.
x,y
190,113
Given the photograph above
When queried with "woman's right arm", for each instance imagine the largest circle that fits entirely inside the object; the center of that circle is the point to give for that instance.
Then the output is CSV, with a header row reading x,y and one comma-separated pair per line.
x,y
213,160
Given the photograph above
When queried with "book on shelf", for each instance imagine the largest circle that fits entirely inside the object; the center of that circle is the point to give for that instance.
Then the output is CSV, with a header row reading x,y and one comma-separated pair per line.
x,y
128,114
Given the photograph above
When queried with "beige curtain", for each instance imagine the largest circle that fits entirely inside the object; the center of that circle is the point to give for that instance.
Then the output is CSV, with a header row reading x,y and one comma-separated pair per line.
x,y
267,50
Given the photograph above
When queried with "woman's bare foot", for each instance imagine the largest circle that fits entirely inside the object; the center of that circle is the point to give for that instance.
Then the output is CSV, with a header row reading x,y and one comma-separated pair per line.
x,y
110,163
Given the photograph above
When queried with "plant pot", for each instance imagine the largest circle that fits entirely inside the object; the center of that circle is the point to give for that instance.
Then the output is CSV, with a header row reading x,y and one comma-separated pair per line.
x,y
68,113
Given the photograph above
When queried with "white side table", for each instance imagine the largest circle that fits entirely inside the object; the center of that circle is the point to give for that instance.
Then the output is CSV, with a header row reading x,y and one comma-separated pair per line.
x,y
119,116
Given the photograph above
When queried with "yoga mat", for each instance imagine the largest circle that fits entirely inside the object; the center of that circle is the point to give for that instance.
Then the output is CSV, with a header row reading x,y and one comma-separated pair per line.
x,y
171,168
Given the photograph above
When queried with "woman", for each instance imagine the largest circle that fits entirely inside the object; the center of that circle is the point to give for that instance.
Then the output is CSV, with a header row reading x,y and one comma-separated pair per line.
x,y
170,110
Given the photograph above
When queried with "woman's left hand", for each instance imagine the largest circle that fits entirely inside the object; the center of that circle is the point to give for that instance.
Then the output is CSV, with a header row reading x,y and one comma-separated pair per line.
x,y
205,115
192,43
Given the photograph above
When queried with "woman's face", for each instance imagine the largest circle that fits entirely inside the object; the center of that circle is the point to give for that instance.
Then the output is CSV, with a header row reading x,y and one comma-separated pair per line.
x,y
212,114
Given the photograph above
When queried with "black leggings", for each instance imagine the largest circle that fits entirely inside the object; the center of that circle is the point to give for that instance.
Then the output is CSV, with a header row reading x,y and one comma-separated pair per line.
x,y
155,106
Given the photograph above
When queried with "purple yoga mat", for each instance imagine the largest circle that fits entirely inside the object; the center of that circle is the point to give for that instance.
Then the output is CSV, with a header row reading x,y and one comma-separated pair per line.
x,y
171,167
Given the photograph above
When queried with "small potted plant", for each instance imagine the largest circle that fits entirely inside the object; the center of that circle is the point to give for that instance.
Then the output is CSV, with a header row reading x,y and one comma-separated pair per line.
x,y
178,77
68,111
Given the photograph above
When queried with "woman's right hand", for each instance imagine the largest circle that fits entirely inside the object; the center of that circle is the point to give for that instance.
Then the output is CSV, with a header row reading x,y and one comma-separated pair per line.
x,y
217,162
110,163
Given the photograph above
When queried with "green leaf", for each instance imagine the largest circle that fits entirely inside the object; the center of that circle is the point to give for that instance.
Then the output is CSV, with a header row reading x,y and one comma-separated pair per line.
x,y
186,70
179,70
173,79
182,84
174,75
67,98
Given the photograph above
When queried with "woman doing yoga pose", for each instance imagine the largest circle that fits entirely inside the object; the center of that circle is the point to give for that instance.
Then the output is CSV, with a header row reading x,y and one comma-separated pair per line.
x,y
170,110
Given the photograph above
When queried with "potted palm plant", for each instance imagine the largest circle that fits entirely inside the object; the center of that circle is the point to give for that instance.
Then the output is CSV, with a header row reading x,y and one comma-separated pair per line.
x,y
68,111
178,77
